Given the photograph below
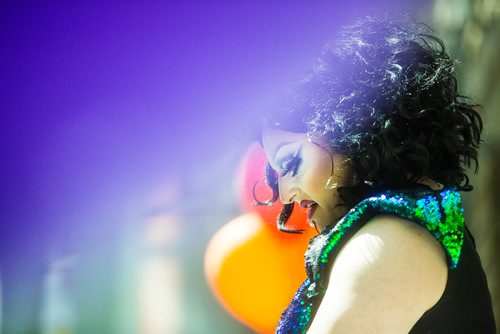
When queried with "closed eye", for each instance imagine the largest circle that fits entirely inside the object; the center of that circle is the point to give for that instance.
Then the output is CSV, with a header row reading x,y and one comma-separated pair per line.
x,y
292,164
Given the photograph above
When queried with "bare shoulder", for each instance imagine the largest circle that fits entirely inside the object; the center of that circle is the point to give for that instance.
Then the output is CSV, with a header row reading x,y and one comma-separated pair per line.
x,y
386,276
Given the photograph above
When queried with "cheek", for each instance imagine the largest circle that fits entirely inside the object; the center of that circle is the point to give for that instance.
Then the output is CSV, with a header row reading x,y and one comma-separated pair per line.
x,y
317,175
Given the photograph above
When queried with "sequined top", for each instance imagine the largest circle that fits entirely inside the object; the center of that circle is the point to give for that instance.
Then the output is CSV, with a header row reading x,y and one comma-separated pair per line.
x,y
441,213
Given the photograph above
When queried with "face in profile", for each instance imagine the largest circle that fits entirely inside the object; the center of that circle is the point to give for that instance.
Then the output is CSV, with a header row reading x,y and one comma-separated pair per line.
x,y
308,174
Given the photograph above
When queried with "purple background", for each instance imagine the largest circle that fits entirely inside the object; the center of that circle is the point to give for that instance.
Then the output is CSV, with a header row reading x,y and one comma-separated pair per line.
x,y
101,100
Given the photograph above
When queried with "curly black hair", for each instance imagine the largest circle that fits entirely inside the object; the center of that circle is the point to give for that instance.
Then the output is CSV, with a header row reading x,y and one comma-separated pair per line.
x,y
384,94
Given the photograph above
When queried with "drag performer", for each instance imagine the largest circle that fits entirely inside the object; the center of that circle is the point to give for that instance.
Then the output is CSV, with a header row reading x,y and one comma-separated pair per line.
x,y
374,143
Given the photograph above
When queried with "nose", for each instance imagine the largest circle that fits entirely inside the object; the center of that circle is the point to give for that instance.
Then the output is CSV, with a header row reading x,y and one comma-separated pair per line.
x,y
288,192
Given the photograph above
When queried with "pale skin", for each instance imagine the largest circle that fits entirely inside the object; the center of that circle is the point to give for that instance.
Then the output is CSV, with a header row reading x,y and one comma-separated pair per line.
x,y
388,274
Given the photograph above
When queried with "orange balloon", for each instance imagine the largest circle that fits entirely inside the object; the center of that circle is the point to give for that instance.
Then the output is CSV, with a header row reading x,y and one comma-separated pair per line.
x,y
253,271
252,173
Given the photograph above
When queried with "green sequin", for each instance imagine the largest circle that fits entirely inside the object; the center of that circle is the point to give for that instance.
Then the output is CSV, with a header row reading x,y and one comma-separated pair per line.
x,y
440,212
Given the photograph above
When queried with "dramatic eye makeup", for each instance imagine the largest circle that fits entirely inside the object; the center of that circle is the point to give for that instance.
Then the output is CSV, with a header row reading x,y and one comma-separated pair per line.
x,y
291,163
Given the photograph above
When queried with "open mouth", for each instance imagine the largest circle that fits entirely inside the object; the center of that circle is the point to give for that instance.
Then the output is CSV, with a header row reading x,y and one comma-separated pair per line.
x,y
311,206
312,209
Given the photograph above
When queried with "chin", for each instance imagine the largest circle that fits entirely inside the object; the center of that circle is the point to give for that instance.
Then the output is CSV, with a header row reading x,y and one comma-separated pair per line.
x,y
324,223
320,225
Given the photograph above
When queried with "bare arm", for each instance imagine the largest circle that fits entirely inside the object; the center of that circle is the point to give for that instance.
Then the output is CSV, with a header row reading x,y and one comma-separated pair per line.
x,y
388,274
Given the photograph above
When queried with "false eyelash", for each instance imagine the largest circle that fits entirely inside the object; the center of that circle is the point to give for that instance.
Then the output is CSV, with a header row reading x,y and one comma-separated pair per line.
x,y
292,164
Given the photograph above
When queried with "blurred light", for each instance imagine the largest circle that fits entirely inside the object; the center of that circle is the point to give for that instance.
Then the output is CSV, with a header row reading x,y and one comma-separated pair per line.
x,y
58,312
160,278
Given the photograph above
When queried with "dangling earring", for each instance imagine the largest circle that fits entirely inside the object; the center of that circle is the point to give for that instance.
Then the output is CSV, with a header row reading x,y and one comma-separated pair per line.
x,y
330,184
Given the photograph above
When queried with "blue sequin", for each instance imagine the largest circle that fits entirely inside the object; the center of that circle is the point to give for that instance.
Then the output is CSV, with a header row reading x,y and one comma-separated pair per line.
x,y
440,212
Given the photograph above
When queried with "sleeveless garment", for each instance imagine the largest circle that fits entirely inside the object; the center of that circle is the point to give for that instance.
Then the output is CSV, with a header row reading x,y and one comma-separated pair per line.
x,y
464,307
